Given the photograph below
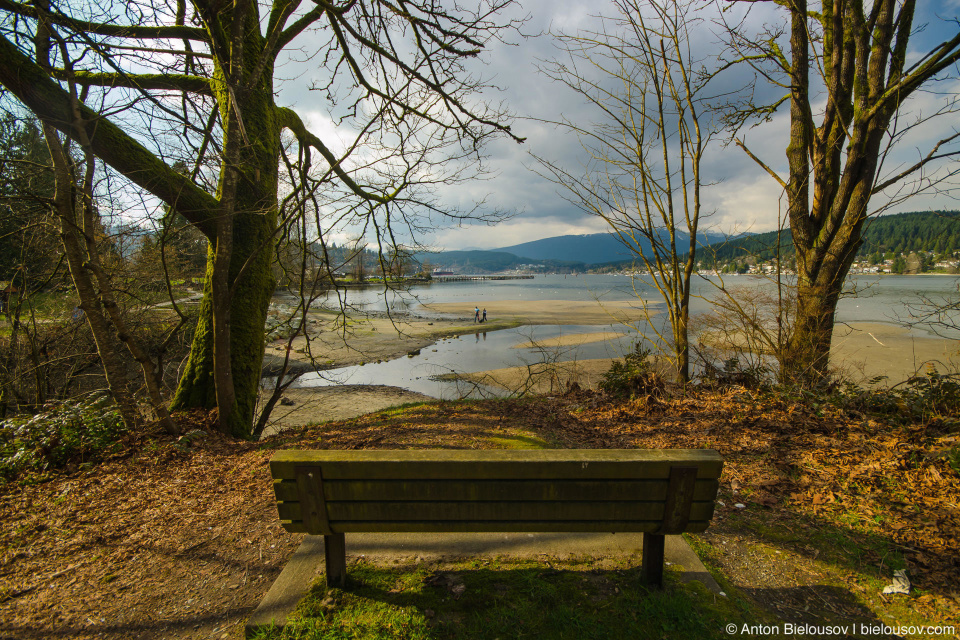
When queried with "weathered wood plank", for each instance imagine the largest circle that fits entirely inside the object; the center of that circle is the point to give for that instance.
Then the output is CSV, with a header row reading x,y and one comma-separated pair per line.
x,y
492,455
503,464
504,490
335,554
518,511
451,526
313,509
677,509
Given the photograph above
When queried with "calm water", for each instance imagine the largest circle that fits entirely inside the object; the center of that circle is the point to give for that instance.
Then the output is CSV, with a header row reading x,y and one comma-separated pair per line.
x,y
875,299
872,298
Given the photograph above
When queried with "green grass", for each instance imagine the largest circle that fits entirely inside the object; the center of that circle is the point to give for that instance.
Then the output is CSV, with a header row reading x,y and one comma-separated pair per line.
x,y
509,599
848,548
400,409
520,442
847,558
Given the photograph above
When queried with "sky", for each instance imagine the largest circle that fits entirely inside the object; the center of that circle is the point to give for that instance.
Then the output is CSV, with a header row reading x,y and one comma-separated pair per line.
x,y
740,197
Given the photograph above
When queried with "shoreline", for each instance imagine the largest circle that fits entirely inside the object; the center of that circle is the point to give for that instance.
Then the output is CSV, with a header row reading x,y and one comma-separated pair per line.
x,y
861,350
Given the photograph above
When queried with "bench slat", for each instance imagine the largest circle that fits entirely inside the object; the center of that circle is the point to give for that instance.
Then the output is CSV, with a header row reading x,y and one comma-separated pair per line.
x,y
500,464
492,455
506,526
505,490
519,511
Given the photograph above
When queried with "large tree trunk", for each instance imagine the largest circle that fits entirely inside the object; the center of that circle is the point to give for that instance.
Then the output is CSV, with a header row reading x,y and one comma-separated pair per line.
x,y
248,312
227,351
809,345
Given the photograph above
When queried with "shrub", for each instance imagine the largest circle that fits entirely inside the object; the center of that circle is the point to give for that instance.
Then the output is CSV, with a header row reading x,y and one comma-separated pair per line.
x,y
749,374
62,433
934,396
630,376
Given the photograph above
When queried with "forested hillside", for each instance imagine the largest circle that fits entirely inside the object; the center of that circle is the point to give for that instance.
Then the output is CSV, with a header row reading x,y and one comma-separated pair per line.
x,y
931,231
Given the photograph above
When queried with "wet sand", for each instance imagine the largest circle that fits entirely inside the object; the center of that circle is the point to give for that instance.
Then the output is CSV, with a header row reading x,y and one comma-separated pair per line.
x,y
322,404
582,312
865,350
544,378
569,340
334,343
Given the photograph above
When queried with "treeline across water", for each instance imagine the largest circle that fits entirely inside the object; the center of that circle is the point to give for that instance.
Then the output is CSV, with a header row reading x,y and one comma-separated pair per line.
x,y
936,232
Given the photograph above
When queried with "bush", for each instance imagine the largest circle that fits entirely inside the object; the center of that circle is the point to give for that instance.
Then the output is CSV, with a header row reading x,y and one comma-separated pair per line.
x,y
934,396
748,374
632,375
62,433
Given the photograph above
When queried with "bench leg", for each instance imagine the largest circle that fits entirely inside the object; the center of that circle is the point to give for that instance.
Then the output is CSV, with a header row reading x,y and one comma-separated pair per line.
x,y
335,550
651,572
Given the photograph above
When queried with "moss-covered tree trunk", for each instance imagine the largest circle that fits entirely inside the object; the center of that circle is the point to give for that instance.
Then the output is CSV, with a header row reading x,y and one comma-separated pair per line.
x,y
248,191
248,311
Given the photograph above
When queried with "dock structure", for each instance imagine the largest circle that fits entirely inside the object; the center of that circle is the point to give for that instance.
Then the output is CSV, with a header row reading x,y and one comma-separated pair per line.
x,y
470,278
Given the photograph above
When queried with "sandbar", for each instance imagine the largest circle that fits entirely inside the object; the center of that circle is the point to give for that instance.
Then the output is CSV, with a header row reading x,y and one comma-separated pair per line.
x,y
544,378
338,341
314,405
579,312
865,350
861,352
569,340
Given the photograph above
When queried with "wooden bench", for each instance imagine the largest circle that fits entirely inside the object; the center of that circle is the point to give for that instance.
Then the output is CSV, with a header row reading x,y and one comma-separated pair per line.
x,y
657,492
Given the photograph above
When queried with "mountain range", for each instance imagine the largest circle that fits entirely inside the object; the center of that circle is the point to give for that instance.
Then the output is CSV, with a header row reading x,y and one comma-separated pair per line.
x,y
559,253
936,231
595,248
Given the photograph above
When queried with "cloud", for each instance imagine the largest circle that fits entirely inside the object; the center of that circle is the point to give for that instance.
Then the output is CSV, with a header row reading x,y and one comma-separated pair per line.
x,y
743,196
517,231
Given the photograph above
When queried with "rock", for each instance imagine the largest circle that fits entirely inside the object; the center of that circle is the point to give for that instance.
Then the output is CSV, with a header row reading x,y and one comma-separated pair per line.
x,y
287,402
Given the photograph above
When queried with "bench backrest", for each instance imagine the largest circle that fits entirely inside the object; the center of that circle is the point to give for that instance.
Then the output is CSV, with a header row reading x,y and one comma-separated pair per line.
x,y
653,491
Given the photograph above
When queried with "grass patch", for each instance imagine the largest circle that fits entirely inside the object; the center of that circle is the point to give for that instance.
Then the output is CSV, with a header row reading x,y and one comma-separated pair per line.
x,y
520,442
486,599
852,567
400,410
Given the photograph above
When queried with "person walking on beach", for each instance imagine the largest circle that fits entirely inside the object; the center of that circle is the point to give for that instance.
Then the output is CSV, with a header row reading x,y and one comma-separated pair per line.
x,y
484,319
476,314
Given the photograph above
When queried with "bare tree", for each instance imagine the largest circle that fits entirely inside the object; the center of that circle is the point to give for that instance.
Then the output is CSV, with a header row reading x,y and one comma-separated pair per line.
x,y
144,85
643,175
847,79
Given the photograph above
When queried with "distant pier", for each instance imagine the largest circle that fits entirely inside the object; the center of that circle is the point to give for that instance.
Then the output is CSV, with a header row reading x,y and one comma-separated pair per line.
x,y
471,278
